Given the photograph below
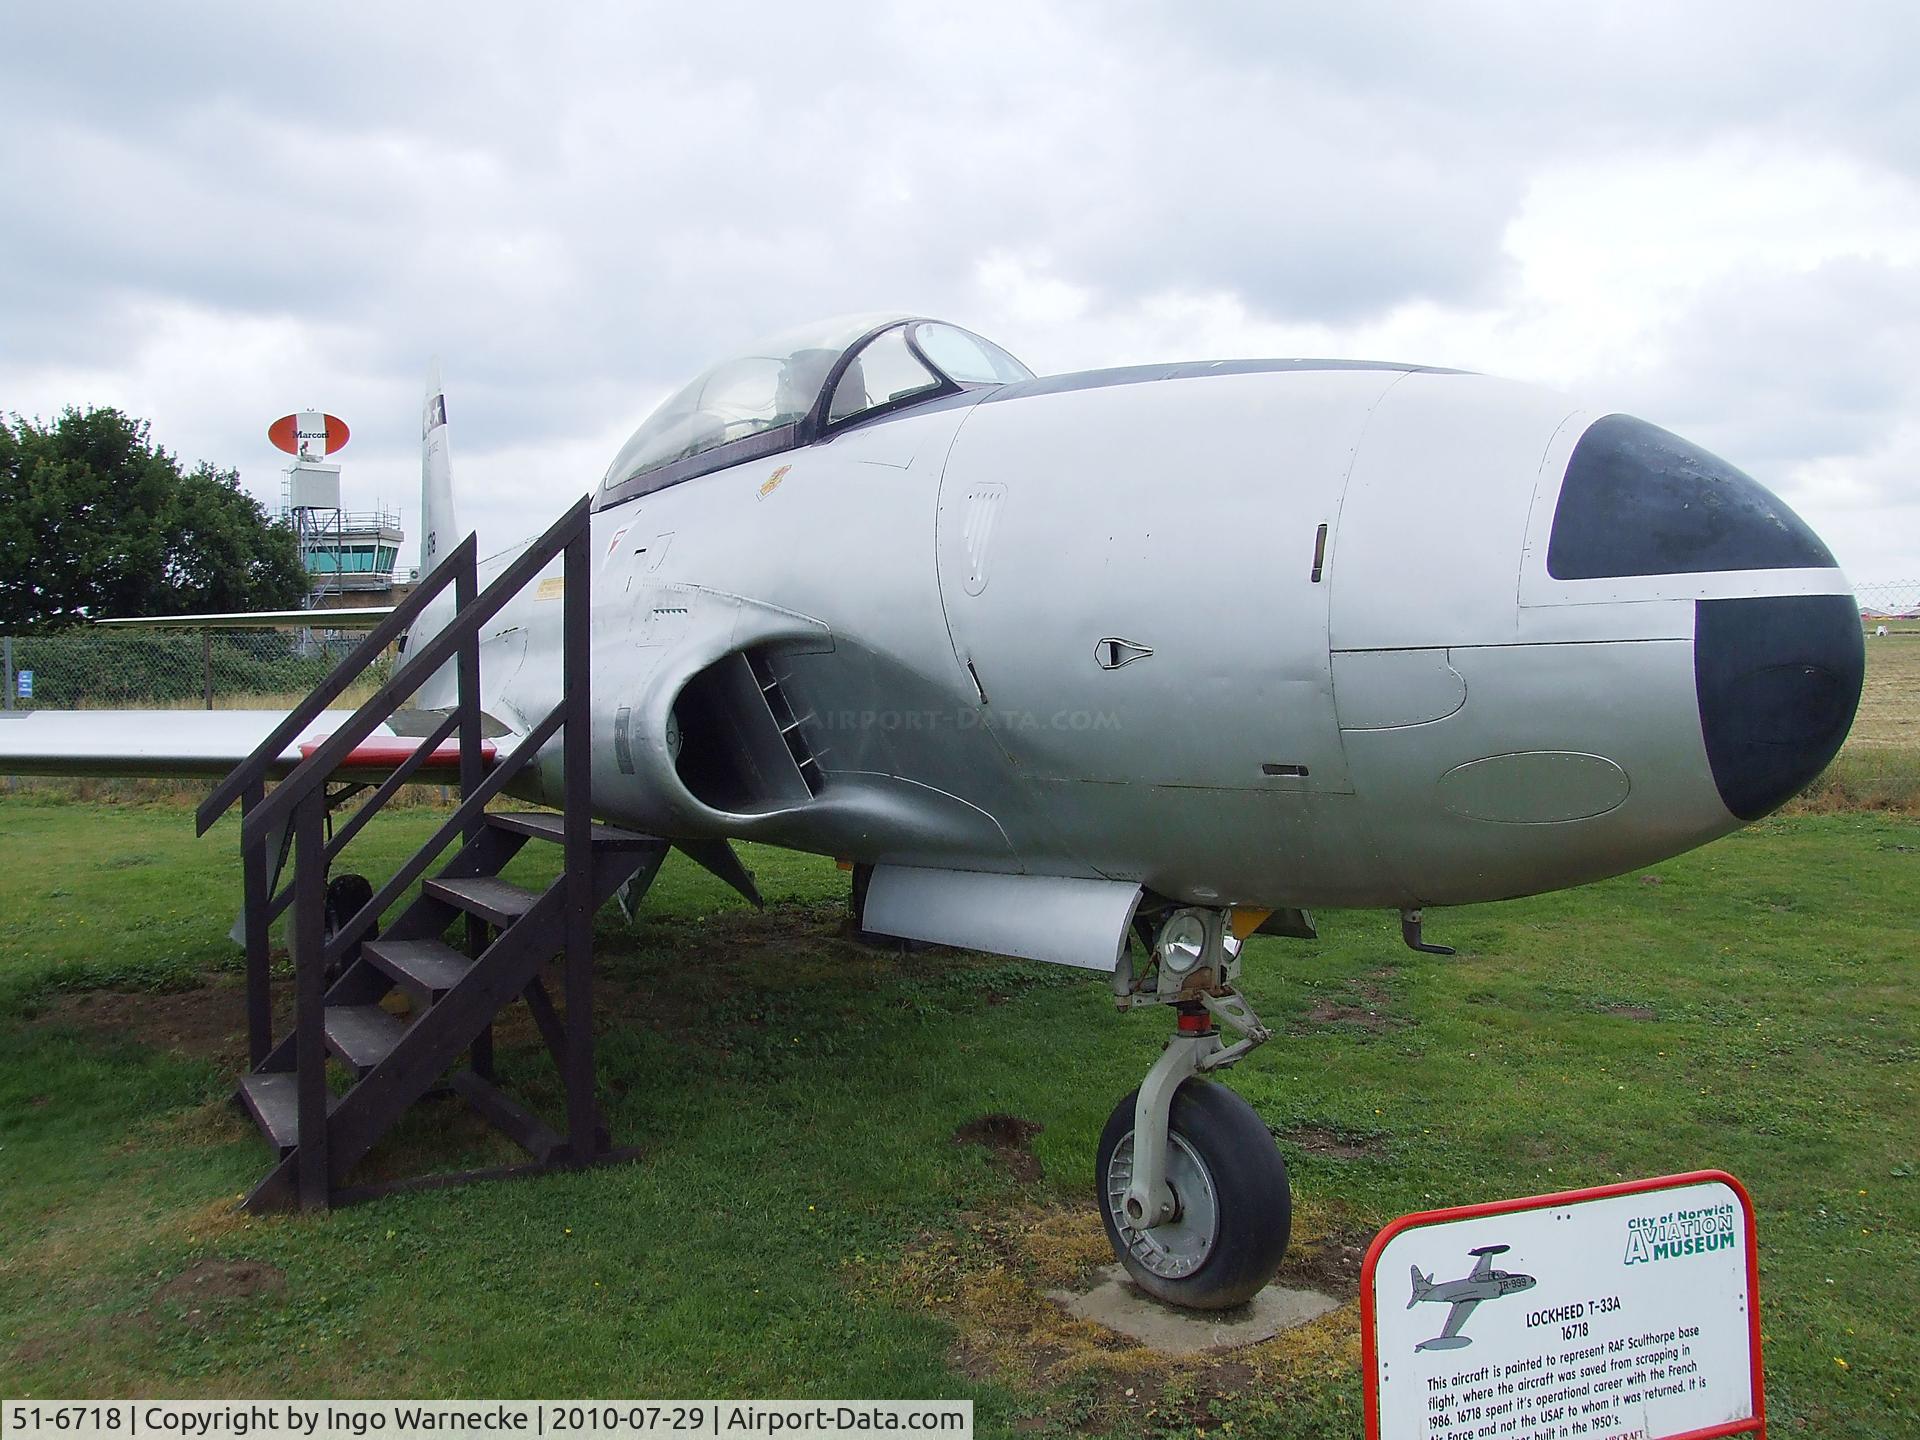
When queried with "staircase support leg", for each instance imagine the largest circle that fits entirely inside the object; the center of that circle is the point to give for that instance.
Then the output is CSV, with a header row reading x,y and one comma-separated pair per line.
x,y
577,759
480,1057
467,678
309,978
254,900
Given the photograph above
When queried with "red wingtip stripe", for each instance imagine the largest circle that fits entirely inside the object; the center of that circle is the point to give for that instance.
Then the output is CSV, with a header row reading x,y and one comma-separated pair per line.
x,y
388,753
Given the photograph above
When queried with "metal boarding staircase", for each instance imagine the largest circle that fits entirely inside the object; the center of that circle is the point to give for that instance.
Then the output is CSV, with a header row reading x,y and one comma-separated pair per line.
x,y
505,933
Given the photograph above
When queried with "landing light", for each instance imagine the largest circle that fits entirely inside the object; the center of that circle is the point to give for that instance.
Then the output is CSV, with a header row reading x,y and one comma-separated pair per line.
x,y
1182,941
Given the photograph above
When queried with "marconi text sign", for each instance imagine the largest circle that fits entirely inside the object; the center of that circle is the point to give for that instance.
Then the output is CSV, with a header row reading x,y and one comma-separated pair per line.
x,y
1626,1312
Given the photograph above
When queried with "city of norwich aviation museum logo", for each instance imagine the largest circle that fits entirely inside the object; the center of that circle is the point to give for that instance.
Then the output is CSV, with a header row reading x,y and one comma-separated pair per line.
x,y
1680,1233
1485,1283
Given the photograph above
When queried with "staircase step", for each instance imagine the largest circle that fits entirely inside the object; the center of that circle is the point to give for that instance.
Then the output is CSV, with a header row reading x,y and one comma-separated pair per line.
x,y
548,825
363,1035
272,1097
427,968
497,901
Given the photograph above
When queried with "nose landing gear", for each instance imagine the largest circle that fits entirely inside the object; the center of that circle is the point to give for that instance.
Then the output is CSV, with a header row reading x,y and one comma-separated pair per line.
x,y
1193,1191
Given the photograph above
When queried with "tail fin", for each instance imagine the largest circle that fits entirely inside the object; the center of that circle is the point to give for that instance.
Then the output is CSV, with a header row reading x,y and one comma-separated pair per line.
x,y
1422,1285
439,532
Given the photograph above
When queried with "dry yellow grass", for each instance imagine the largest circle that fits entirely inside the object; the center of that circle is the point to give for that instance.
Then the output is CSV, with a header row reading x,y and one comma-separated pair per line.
x,y
989,1275
1879,767
1890,700
352,698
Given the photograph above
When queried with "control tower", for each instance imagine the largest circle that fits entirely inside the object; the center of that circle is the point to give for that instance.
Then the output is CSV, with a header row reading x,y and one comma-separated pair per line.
x,y
347,553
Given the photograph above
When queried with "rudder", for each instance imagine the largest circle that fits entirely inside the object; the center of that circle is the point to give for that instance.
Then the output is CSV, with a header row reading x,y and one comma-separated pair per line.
x,y
438,530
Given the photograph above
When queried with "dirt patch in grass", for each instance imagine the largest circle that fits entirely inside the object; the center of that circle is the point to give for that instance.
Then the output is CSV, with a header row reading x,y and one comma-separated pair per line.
x,y
988,1276
209,1284
1360,1017
1629,1012
1328,1261
207,1023
1337,1144
1008,1141
196,1298
1371,987
1367,1004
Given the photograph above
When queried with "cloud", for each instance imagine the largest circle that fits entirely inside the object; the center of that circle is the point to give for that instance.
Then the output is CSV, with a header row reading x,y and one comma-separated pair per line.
x,y
224,211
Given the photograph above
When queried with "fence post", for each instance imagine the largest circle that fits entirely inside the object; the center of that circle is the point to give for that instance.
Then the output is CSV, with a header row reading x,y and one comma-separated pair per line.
x,y
206,663
6,644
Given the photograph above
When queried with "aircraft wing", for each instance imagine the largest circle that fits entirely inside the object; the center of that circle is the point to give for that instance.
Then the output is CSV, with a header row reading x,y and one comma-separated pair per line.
x,y
165,743
1483,1267
1457,1317
349,617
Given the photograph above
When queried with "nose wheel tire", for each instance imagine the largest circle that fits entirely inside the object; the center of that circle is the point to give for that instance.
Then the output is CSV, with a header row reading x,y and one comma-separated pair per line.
x,y
1233,1206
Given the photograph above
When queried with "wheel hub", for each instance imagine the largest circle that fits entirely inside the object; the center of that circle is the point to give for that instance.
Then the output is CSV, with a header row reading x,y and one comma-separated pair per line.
x,y
1180,1245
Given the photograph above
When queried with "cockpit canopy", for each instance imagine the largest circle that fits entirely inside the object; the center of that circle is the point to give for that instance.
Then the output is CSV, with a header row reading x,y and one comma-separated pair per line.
x,y
797,387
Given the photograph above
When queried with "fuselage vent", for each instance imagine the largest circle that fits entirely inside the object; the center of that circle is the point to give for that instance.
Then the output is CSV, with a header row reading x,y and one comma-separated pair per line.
x,y
781,708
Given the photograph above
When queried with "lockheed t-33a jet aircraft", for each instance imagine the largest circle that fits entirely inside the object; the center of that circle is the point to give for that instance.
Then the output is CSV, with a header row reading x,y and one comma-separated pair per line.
x,y
1483,1282
1119,668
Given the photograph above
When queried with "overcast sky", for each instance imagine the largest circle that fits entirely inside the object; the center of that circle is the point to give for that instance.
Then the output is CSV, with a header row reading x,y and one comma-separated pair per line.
x,y
1707,214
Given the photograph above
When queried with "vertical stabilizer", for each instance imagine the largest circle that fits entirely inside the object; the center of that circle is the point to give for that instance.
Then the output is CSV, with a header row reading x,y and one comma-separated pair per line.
x,y
439,532
1422,1286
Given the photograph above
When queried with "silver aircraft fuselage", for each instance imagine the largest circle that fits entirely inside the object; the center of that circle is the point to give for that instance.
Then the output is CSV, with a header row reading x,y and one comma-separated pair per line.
x,y
1266,634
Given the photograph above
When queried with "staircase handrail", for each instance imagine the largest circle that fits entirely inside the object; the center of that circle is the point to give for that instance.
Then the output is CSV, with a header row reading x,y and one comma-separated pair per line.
x,y
253,770
421,665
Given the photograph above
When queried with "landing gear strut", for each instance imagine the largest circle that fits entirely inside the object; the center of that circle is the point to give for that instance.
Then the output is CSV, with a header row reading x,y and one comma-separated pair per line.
x,y
1193,1191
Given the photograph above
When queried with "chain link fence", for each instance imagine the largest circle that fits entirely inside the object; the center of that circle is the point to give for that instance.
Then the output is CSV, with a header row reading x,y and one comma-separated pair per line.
x,y
96,669
1889,602
171,670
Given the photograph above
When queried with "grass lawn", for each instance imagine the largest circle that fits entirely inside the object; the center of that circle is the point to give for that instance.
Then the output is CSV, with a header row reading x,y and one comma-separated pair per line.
x,y
803,1221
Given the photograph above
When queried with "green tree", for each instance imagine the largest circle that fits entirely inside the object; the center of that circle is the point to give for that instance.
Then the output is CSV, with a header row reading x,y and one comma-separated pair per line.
x,y
222,552
96,520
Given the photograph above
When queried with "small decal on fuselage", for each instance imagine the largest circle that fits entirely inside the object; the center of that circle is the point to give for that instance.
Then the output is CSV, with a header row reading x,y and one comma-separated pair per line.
x,y
773,481
622,739
552,588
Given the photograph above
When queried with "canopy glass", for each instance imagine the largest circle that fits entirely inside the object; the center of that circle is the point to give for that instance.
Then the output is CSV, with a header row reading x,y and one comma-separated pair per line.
x,y
793,388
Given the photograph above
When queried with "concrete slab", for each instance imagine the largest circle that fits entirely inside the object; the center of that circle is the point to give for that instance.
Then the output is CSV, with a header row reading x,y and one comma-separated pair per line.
x,y
1118,1304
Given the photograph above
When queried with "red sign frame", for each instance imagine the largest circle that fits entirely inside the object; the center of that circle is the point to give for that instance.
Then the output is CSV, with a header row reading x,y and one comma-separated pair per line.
x,y
1756,1424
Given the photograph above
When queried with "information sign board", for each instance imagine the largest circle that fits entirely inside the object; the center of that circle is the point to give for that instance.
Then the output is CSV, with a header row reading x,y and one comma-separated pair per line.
x,y
1627,1312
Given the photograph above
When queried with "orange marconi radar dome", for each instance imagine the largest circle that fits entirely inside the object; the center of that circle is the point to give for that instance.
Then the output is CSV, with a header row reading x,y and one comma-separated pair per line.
x,y
308,432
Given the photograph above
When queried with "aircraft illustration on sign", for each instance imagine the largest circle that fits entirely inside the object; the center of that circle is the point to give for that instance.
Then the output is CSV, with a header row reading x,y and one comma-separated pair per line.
x,y
1116,669
1484,1283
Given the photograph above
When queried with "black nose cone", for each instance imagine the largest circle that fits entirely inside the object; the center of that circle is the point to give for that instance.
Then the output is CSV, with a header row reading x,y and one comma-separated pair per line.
x,y
1639,500
1778,679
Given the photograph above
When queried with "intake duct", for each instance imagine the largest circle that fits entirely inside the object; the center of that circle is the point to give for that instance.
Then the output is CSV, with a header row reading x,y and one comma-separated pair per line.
x,y
743,750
